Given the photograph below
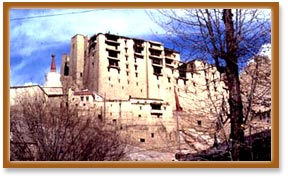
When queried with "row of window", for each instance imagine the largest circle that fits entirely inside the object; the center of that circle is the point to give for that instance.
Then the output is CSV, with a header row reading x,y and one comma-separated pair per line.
x,y
157,69
82,98
138,53
142,140
139,115
153,106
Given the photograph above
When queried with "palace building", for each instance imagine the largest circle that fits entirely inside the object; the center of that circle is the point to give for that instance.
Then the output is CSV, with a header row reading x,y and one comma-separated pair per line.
x,y
141,88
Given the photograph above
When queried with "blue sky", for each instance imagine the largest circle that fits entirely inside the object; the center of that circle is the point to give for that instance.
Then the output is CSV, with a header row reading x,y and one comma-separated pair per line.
x,y
34,36
33,40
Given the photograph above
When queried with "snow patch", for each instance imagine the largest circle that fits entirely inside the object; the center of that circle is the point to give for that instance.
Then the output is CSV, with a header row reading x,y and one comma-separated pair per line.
x,y
265,50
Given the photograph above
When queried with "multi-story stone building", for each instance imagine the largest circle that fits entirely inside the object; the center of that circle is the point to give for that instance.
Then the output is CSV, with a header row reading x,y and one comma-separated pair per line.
x,y
119,67
139,87
139,81
123,67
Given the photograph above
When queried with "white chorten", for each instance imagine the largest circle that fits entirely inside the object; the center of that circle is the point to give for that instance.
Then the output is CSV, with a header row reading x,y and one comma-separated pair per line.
x,y
53,78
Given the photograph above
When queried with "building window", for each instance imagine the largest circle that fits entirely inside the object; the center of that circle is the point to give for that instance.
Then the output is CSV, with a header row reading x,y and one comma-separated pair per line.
x,y
122,87
142,140
157,62
139,115
136,74
138,50
157,70
199,122
119,80
156,106
152,135
126,50
113,63
128,82
111,37
168,61
80,74
66,69
114,121
84,104
127,66
112,53
141,90
109,78
158,86
126,58
136,67
155,52
169,79
137,83
110,113
182,73
140,107
138,46
100,116
87,98
127,73
82,98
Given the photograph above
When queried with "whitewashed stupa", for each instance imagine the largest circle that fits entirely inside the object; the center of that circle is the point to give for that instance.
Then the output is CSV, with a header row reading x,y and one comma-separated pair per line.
x,y
52,77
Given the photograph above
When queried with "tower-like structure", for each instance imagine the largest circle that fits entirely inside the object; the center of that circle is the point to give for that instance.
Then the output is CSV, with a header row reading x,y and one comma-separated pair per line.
x,y
53,78
118,68
121,67
65,65
77,57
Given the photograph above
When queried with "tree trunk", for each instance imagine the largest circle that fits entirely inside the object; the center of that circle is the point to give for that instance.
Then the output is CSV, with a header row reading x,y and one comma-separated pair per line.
x,y
235,102
236,112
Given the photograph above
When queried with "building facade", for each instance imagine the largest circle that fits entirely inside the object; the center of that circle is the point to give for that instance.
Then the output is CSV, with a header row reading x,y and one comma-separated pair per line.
x,y
139,81
142,89
118,67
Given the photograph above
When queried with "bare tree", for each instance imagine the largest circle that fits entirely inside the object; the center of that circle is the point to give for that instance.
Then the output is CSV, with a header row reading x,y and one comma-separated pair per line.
x,y
225,37
256,87
53,130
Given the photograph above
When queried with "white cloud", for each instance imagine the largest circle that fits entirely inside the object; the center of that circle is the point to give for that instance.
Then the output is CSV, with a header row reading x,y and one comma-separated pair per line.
x,y
27,35
30,83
